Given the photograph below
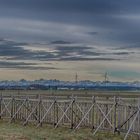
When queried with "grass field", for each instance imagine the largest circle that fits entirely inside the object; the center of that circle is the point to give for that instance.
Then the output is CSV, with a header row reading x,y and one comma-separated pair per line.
x,y
83,93
18,132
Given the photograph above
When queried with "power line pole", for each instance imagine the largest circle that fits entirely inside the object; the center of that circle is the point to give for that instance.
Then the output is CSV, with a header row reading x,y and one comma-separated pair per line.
x,y
76,78
106,77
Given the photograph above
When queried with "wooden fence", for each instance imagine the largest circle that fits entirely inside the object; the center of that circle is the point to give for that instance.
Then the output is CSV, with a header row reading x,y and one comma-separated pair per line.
x,y
97,113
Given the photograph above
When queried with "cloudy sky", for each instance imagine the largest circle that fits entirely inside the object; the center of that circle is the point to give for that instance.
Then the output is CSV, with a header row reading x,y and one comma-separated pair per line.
x,y
55,39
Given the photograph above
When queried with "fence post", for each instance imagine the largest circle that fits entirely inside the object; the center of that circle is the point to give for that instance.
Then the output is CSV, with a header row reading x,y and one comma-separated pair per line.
x,y
93,112
12,108
115,114
39,108
106,111
55,113
36,110
72,110
139,119
0,104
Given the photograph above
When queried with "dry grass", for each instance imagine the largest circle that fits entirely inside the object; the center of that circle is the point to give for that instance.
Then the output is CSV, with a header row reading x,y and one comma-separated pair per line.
x,y
18,132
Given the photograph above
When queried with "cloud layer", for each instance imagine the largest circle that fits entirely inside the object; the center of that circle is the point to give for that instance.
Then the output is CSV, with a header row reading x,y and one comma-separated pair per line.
x,y
34,32
110,23
60,51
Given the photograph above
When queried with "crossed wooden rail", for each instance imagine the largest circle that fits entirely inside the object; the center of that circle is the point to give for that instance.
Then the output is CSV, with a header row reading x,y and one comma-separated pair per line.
x,y
108,114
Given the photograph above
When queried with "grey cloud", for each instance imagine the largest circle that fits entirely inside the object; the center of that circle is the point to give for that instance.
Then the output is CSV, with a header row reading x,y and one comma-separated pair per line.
x,y
6,63
72,48
88,6
93,33
123,53
63,5
79,50
88,59
16,51
86,51
129,47
11,50
23,65
110,20
60,42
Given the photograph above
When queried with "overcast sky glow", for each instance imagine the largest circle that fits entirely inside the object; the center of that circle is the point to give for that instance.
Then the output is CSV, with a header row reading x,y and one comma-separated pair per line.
x,y
57,38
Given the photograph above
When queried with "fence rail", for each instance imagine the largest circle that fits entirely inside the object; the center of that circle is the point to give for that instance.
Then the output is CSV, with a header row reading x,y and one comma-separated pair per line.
x,y
114,114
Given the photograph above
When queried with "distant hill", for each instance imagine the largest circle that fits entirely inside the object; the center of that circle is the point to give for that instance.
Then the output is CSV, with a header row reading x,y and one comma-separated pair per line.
x,y
81,85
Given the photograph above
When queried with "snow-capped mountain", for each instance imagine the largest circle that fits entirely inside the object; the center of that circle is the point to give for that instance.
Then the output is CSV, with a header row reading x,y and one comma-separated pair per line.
x,y
56,84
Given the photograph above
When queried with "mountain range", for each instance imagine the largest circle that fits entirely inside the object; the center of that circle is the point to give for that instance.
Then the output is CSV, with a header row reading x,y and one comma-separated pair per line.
x,y
69,85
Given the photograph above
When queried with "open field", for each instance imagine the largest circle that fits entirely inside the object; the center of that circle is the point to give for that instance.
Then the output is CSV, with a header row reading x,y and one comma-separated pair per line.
x,y
83,93
17,132
73,114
